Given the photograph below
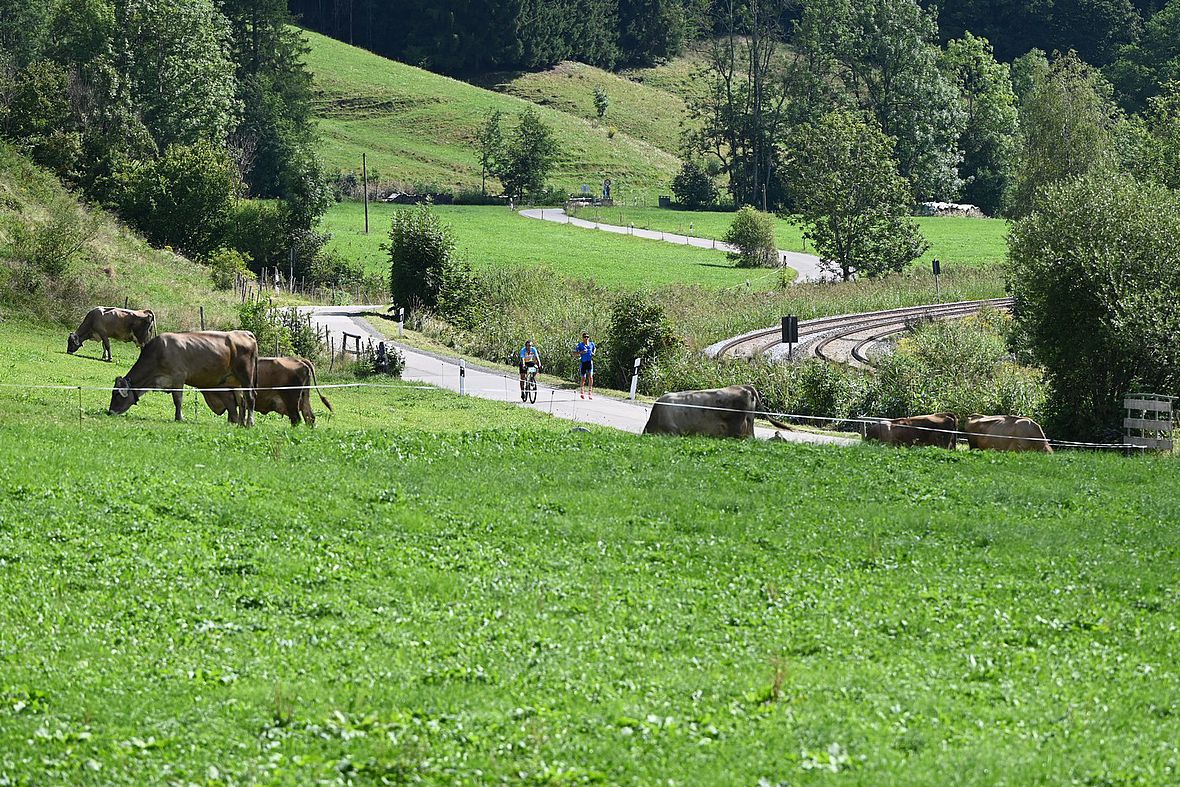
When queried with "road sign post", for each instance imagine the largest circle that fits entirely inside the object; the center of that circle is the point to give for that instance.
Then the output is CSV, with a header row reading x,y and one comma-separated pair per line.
x,y
936,268
790,334
635,378
462,377
401,321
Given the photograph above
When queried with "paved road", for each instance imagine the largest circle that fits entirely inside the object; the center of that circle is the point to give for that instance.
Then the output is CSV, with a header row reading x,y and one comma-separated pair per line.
x,y
806,264
503,385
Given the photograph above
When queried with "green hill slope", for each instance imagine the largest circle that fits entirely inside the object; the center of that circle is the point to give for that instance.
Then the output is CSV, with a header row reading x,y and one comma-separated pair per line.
x,y
419,127
100,261
643,112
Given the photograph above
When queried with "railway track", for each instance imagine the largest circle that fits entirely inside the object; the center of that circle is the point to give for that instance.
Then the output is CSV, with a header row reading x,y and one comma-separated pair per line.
x,y
848,338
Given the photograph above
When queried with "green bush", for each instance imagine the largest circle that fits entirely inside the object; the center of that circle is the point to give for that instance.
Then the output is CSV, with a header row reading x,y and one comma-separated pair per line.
x,y
752,232
421,253
692,186
279,331
260,230
226,266
183,199
638,329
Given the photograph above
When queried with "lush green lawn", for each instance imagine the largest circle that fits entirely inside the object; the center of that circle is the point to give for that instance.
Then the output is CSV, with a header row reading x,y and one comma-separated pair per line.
x,y
419,128
491,237
955,241
472,593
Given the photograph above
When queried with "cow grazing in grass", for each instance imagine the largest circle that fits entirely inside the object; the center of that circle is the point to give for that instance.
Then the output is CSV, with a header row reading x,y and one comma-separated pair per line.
x,y
103,323
719,412
1005,433
936,430
202,359
293,376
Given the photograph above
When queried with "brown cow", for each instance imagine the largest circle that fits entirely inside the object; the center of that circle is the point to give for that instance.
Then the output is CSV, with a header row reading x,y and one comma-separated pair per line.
x,y
293,375
202,359
103,323
719,412
1005,433
937,430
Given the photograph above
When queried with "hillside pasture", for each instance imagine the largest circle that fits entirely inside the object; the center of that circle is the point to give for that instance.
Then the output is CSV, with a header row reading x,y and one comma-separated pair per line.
x,y
455,591
419,128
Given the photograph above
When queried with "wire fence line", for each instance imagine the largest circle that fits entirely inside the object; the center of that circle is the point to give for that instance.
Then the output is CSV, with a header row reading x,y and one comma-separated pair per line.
x,y
765,414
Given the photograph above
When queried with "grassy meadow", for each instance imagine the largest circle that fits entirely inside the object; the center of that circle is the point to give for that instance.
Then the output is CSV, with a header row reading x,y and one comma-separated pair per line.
x,y
640,111
419,128
494,237
955,241
431,589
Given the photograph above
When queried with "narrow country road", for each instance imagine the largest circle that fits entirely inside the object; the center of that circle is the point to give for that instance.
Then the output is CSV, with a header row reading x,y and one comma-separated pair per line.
x,y
807,265
503,385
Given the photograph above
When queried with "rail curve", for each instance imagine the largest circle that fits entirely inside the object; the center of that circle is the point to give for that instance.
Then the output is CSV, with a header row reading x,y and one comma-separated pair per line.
x,y
848,338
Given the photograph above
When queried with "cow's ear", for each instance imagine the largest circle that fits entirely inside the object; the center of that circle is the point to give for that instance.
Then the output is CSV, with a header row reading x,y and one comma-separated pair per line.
x,y
122,387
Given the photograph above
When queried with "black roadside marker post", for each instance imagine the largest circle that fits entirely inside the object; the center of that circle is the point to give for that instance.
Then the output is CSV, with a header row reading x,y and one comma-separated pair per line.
x,y
790,334
936,267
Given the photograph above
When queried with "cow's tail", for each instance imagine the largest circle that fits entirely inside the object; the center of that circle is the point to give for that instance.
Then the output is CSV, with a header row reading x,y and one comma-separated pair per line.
x,y
758,403
316,384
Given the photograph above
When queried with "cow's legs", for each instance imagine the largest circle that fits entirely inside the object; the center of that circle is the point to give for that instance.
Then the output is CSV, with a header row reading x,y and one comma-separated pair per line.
x,y
305,407
106,349
178,401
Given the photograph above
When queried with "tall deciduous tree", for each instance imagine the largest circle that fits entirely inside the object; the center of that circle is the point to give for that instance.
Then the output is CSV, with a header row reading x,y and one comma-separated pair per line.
x,y
1144,65
991,137
883,55
176,55
489,142
1069,126
743,112
847,191
528,156
1095,271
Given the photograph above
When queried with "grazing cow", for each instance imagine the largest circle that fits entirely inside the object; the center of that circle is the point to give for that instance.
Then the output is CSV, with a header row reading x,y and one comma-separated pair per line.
x,y
720,412
295,375
937,430
103,323
202,359
1005,433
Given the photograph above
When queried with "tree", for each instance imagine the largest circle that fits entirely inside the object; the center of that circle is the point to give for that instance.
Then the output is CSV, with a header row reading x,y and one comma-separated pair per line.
x,y
175,55
882,56
650,30
638,329
1068,127
422,256
1095,271
528,157
752,233
850,197
490,144
1144,65
1162,132
693,187
991,136
601,101
741,114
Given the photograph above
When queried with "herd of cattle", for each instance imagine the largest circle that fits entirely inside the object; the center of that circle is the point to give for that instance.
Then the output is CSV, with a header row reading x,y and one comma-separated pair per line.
x,y
243,383
730,412
226,361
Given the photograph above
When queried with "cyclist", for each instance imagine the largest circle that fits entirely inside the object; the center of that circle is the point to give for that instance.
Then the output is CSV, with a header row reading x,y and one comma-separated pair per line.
x,y
585,350
529,356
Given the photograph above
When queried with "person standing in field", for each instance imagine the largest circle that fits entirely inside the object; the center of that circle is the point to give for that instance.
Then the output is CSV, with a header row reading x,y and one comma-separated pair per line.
x,y
585,350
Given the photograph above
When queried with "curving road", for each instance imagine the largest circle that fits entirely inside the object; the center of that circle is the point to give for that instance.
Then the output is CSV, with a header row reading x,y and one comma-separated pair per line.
x,y
503,386
807,265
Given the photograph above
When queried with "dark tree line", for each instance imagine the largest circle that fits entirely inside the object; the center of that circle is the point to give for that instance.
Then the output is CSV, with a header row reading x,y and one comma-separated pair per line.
x,y
467,36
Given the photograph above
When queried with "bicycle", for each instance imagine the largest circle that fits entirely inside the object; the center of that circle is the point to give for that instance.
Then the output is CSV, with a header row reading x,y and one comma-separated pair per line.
x,y
529,394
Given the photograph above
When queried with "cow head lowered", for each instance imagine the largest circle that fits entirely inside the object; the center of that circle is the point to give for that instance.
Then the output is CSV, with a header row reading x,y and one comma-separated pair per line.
x,y
73,343
123,396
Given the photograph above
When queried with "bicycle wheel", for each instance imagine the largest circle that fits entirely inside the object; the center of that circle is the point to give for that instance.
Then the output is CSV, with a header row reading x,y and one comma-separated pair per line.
x,y
532,391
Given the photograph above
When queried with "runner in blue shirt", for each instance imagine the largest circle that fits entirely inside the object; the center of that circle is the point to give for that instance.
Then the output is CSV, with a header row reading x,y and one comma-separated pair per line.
x,y
585,350
528,355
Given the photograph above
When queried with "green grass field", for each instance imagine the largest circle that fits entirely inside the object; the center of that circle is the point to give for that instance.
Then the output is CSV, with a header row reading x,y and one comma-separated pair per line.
x,y
955,241
419,128
491,237
453,591
640,111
